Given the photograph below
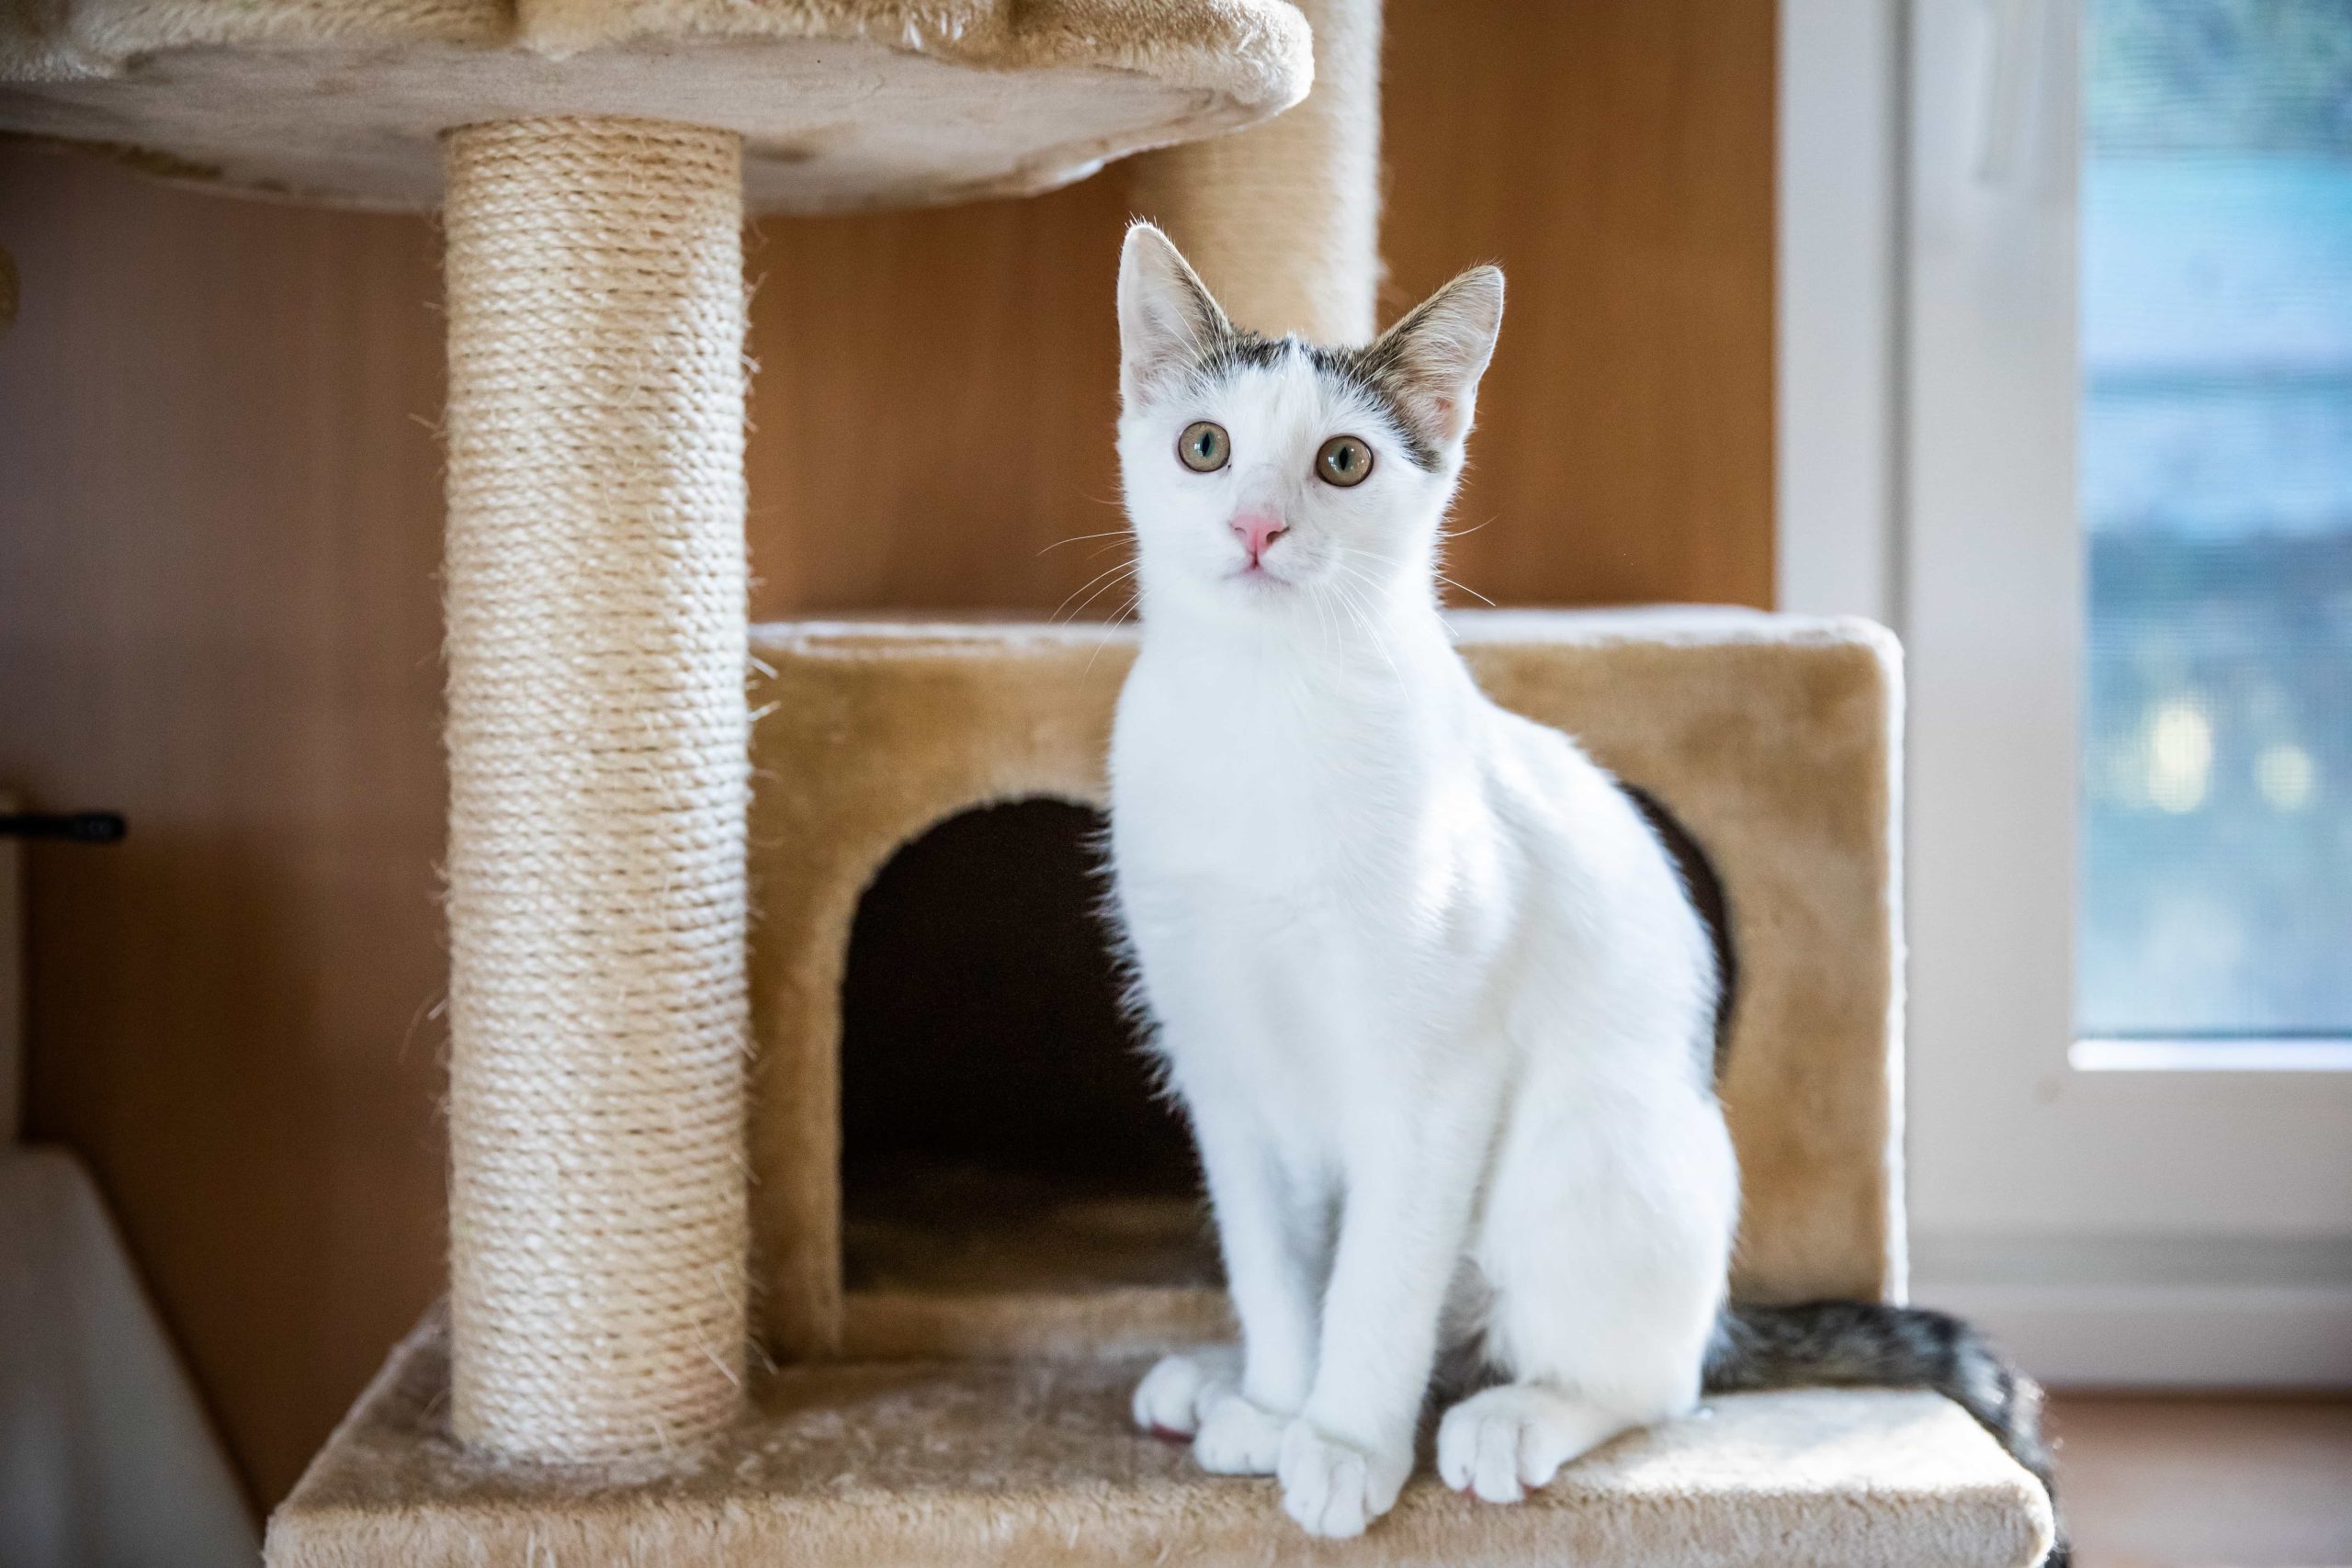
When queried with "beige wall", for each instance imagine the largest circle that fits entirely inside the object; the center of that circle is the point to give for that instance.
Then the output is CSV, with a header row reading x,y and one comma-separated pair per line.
x,y
218,530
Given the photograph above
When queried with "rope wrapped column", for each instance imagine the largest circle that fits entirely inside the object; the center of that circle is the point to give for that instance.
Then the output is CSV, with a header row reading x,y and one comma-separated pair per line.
x,y
597,743
1283,220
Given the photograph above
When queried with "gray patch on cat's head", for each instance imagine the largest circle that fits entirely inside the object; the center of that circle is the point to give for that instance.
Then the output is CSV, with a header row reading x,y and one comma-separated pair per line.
x,y
1376,371
1373,372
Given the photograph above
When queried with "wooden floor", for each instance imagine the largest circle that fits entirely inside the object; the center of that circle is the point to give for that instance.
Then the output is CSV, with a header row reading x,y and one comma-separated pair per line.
x,y
2164,1482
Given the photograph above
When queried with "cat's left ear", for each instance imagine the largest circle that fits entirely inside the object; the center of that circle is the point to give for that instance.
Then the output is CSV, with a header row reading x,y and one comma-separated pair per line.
x,y
1167,316
1430,361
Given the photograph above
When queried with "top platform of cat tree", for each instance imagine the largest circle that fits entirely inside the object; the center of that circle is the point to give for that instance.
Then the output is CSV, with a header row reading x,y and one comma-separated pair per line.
x,y
842,105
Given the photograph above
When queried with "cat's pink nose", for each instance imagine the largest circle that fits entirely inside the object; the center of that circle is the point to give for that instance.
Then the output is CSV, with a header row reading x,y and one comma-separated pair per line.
x,y
1256,530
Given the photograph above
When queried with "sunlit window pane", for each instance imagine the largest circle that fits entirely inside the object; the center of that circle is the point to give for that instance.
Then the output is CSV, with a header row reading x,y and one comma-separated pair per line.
x,y
2216,888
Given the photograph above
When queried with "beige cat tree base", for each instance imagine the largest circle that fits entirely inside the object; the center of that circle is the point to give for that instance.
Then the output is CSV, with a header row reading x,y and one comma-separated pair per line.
x,y
616,1245
979,1416
1031,1464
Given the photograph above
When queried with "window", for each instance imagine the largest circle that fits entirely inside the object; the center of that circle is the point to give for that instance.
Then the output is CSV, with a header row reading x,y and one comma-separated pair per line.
x,y
2215,886
2066,396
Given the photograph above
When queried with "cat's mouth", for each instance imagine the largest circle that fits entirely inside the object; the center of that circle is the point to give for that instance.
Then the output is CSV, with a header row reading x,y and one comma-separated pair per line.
x,y
1260,574
1257,577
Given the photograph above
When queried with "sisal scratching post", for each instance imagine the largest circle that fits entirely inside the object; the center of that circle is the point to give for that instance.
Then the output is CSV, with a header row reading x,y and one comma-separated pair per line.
x,y
597,761
1284,221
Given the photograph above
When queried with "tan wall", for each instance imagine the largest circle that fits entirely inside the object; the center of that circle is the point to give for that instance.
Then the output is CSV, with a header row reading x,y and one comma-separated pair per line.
x,y
219,527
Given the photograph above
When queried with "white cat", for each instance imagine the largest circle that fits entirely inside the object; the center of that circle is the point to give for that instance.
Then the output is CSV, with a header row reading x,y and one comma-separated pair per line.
x,y
1425,978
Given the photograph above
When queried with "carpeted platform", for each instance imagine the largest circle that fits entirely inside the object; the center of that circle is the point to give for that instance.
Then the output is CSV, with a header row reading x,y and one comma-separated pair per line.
x,y
1033,1465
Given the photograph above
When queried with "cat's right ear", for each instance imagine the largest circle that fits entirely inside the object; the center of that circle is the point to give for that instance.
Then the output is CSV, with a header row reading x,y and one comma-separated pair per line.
x,y
1167,316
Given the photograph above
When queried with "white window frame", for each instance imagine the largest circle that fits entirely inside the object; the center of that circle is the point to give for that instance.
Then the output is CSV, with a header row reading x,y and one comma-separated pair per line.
x,y
2120,1217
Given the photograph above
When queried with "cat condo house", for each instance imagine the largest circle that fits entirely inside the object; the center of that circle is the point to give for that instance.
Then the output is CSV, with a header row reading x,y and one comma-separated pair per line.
x,y
841,1245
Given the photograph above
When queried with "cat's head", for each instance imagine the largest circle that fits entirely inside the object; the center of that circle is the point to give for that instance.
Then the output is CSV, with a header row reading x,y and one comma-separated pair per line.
x,y
1266,476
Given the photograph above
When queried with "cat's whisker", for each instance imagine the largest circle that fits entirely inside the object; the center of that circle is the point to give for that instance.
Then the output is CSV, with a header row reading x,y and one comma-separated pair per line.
x,y
1354,612
1372,585
1074,616
1357,552
1080,538
1120,574
1322,621
1363,616
1118,618
1470,591
1089,583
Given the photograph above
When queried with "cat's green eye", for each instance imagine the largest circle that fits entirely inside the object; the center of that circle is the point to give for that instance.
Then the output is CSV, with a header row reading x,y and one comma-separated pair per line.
x,y
1343,461
1205,447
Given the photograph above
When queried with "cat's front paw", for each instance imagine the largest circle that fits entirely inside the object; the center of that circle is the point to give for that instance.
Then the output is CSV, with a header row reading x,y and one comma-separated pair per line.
x,y
1333,1487
1239,1435
1170,1401
1512,1438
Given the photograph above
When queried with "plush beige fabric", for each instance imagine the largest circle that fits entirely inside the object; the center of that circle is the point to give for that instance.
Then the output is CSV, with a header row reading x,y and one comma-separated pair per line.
x,y
1772,739
1033,1465
841,103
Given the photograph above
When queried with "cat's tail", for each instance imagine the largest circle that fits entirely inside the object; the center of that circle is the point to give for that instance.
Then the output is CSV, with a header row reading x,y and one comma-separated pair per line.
x,y
1866,1345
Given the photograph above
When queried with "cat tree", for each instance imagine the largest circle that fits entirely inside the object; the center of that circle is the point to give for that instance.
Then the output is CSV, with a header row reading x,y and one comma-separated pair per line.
x,y
585,1398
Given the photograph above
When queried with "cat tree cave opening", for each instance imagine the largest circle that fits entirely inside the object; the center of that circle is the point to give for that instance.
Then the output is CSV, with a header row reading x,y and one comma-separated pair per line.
x,y
1002,1134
